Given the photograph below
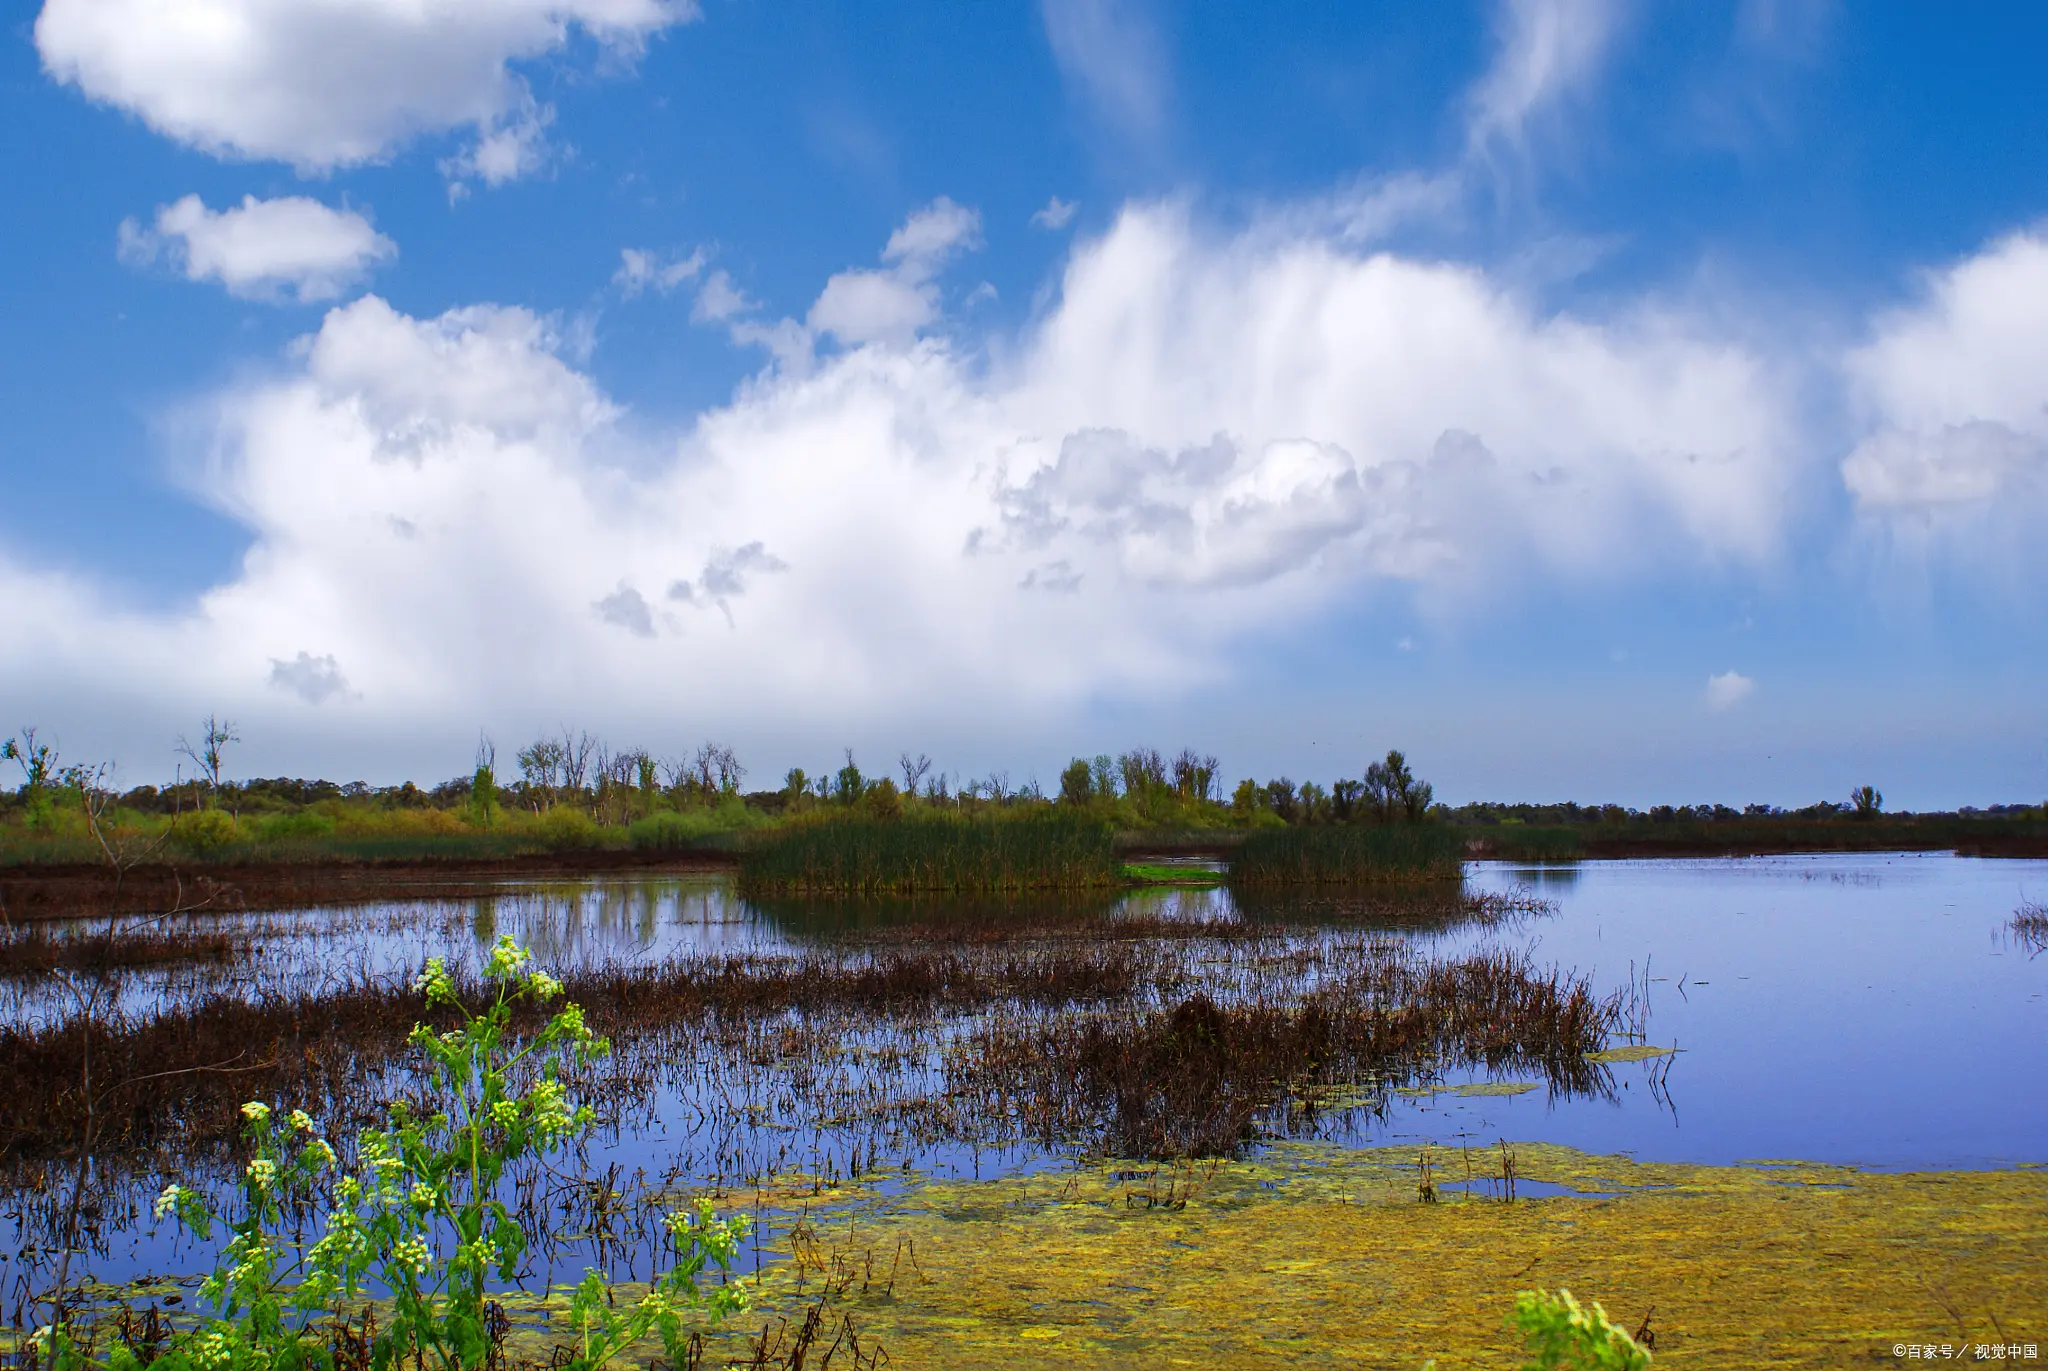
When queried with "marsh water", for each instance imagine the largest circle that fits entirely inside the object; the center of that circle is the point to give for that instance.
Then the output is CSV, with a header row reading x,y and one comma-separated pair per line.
x,y
1871,1010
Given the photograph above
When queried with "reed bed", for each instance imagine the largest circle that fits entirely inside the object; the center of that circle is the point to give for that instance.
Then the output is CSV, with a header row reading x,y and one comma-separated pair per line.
x,y
2029,924
852,856
34,950
1002,1009
1204,1078
1387,855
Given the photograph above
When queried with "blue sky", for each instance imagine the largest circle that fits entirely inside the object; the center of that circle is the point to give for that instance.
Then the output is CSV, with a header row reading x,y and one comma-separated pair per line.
x,y
1599,401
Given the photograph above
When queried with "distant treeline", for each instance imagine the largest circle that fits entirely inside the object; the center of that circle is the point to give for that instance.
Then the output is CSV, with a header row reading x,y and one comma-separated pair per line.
x,y
573,790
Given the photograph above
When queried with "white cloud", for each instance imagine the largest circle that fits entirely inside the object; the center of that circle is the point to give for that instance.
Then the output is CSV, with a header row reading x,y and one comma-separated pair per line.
x,y
1955,388
932,235
1201,437
1056,215
892,305
330,83
1111,51
1727,689
291,248
718,299
1548,49
642,269
508,146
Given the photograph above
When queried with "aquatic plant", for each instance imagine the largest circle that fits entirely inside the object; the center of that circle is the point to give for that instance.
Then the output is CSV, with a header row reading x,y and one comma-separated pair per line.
x,y
2030,923
1565,1335
1401,854
421,1219
877,856
1197,1077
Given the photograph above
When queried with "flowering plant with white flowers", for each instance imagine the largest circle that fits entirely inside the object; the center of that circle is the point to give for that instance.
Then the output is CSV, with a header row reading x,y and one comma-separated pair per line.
x,y
421,1216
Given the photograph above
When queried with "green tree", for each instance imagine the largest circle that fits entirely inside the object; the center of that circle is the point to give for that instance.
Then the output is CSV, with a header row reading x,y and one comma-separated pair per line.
x,y
38,762
1866,801
851,782
1077,783
483,786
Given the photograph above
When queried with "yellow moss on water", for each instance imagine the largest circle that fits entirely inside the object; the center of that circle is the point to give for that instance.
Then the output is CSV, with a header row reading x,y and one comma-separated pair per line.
x,y
1313,1255
1319,1256
1634,1052
1471,1089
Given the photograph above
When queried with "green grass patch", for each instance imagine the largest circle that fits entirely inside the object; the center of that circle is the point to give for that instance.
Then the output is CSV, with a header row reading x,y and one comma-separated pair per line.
x,y
1393,854
854,856
1159,873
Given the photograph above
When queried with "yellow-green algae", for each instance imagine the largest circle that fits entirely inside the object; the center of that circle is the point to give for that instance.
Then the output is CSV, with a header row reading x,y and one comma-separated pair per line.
x,y
1633,1052
1315,1255
1470,1089
1322,1256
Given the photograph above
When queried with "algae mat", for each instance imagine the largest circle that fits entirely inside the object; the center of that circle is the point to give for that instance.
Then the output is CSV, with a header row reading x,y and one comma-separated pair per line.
x,y
1320,1256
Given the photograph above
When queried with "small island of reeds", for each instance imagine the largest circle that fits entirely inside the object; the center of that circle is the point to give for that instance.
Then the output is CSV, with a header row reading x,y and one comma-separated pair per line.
x,y
869,856
1382,855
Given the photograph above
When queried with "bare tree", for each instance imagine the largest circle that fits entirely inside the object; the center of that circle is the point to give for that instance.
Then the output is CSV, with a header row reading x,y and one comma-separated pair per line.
x,y
215,733
914,772
123,851
1193,775
730,772
578,751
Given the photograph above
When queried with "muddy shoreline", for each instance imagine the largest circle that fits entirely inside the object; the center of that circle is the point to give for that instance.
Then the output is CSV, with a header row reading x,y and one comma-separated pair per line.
x,y
30,893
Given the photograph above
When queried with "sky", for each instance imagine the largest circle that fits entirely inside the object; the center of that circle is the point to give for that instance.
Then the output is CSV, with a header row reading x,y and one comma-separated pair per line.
x,y
1616,402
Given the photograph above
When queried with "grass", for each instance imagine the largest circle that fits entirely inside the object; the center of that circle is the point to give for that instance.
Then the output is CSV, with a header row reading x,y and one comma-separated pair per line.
x,y
852,856
1394,854
1160,873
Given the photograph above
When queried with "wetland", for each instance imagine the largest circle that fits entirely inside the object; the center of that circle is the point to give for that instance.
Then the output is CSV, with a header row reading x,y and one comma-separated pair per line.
x,y
1770,1111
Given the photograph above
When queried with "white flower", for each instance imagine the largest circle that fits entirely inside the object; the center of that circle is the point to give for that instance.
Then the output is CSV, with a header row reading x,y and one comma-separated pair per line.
x,y
507,957
168,1201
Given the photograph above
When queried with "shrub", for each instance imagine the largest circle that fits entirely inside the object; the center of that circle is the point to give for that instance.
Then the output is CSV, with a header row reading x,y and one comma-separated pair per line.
x,y
304,824
567,829
205,832
422,1218
1566,1336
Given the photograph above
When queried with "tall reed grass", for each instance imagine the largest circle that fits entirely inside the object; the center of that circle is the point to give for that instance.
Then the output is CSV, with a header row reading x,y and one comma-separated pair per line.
x,y
1392,854
854,856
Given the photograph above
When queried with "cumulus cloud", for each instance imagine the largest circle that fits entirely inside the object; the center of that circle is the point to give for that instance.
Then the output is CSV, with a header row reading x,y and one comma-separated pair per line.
x,y
293,248
893,304
1056,214
1955,388
326,83
1727,689
642,269
1203,435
